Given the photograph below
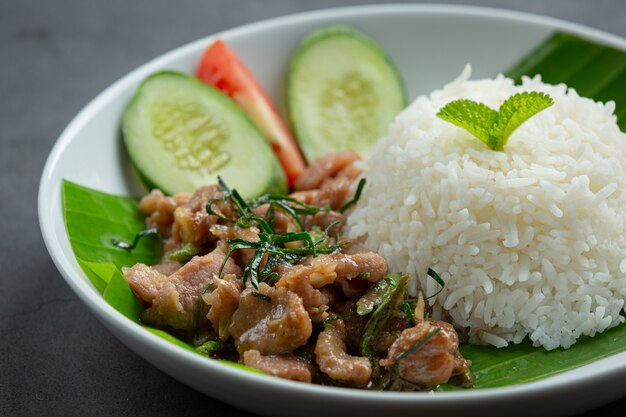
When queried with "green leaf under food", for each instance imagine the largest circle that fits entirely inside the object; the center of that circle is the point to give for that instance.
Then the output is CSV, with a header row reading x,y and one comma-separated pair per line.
x,y
99,273
172,339
94,218
516,364
90,214
596,71
122,298
240,366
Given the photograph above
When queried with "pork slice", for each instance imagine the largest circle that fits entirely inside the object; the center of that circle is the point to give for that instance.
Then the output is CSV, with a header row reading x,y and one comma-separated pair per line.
x,y
175,303
330,295
275,326
338,191
283,366
334,195
224,233
334,361
160,208
145,281
350,171
167,267
325,167
223,300
323,220
296,279
369,266
354,273
192,221
433,363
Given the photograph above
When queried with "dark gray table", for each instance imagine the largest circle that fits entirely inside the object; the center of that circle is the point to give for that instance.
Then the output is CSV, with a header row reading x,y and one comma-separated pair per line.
x,y
55,358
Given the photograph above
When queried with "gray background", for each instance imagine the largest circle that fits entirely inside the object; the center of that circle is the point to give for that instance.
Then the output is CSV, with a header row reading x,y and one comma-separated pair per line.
x,y
55,358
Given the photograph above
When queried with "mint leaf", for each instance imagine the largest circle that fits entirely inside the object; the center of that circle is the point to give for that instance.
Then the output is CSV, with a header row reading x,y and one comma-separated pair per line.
x,y
516,110
495,127
476,118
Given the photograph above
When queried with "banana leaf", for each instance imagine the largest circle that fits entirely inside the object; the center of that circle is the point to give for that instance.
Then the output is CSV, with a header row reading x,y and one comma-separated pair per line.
x,y
516,364
596,71
92,220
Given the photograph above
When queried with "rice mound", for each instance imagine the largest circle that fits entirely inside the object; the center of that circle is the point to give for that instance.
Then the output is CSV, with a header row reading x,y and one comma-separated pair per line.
x,y
530,241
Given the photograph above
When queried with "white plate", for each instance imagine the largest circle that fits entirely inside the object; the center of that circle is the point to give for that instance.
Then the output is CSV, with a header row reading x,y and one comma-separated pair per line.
x,y
430,45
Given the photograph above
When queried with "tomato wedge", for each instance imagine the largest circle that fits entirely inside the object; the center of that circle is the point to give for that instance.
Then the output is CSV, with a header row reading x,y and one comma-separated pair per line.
x,y
221,68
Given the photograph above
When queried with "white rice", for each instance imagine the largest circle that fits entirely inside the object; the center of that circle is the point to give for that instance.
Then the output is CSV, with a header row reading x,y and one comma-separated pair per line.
x,y
530,241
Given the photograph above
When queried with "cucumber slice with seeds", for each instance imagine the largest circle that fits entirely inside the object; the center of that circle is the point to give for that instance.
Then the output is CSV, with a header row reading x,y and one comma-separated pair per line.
x,y
343,92
181,134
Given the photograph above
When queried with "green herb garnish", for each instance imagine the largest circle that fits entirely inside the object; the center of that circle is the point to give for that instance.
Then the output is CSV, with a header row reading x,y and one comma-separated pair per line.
x,y
271,246
261,296
270,249
491,126
247,218
328,322
357,195
409,313
151,232
440,281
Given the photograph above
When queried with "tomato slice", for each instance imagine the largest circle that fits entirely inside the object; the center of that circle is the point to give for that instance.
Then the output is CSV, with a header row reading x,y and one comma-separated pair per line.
x,y
221,68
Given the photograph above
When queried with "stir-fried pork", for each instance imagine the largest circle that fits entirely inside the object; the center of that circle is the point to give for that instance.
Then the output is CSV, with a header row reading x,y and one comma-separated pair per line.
x,y
192,221
276,325
223,301
282,366
145,281
160,209
354,273
224,233
334,361
174,298
267,324
328,180
296,279
432,364
323,168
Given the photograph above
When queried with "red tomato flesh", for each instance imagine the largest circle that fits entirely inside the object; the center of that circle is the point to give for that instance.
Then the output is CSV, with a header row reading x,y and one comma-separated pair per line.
x,y
221,68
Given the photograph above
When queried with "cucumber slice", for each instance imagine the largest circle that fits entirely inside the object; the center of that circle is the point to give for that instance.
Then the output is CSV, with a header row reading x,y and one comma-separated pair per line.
x,y
343,92
181,134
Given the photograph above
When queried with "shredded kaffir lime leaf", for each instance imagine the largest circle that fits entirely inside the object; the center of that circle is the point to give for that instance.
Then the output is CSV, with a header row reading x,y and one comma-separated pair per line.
x,y
495,127
151,232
